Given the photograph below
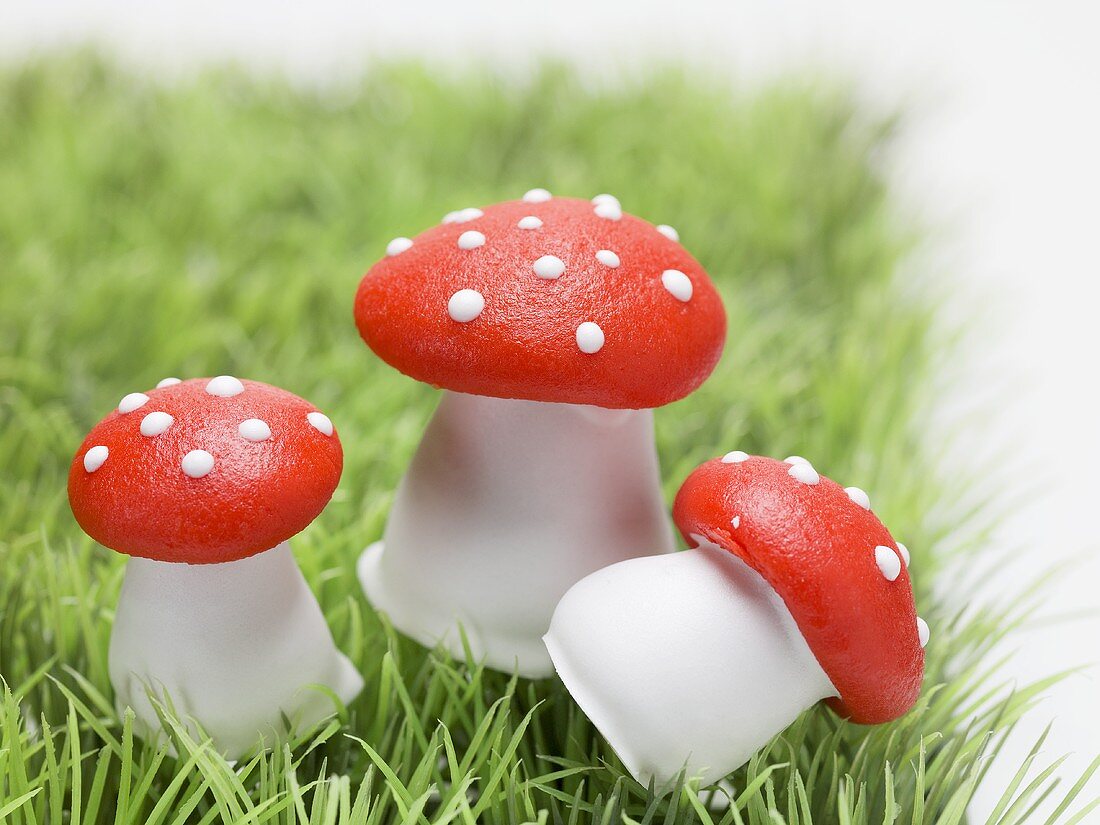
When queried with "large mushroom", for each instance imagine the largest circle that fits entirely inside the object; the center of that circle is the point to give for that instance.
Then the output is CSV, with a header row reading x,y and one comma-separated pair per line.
x,y
554,325
793,592
201,483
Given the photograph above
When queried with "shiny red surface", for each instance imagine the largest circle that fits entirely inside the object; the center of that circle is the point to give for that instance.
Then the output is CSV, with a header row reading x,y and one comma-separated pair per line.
x,y
523,344
815,547
141,503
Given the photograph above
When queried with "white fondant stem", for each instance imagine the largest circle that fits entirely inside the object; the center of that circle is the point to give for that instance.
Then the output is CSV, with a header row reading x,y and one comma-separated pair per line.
x,y
686,661
235,646
505,506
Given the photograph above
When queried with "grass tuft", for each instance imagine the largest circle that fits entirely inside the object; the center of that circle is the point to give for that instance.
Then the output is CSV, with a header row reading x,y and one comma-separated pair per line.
x,y
221,225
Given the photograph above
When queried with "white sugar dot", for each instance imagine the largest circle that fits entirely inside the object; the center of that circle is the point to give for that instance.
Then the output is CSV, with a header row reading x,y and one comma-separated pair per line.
x,y
549,266
155,423
609,209
677,283
254,429
197,463
590,337
804,473
795,459
465,305
529,222
888,562
132,401
94,458
735,457
859,497
922,632
398,245
320,422
167,382
536,196
608,258
463,215
736,522
224,386
605,198
904,553
668,232
470,239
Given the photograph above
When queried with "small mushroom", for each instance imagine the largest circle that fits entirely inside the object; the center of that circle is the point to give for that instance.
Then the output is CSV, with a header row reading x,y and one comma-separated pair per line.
x,y
553,338
793,592
202,484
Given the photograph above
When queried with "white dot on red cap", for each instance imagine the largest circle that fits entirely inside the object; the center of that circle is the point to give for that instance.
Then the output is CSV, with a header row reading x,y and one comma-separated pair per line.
x,y
470,239
132,401
224,386
167,382
398,245
795,459
609,210
549,267
735,457
197,463
922,632
590,337
608,258
529,222
254,429
736,522
804,473
859,497
888,562
155,423
463,215
465,305
678,284
904,553
94,458
320,422
536,195
603,197
668,232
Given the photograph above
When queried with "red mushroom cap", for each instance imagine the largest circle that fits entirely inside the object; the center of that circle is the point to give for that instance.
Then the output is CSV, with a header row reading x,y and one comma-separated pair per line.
x,y
831,561
204,471
546,299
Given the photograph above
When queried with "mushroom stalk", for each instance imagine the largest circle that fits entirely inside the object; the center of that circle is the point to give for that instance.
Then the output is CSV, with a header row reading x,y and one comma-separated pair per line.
x,y
235,645
688,661
508,503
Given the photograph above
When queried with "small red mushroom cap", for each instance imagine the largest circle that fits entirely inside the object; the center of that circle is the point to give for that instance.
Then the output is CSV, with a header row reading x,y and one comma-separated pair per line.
x,y
546,299
204,471
836,567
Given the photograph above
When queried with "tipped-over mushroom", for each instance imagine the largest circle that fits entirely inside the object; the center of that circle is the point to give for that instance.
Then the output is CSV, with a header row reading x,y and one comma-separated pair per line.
x,y
793,592
202,482
555,325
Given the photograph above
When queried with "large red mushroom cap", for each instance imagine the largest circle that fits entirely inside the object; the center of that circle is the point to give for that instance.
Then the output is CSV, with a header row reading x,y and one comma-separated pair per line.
x,y
836,567
204,471
546,299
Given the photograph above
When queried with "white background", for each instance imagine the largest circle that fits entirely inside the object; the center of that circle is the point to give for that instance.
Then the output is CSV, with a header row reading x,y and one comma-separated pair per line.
x,y
1003,157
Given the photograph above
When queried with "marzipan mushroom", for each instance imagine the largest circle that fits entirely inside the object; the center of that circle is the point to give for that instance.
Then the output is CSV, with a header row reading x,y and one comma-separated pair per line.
x,y
554,325
201,483
793,592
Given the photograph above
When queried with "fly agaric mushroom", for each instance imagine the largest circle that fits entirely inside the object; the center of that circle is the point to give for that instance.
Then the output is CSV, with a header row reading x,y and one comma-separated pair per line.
x,y
793,592
201,483
554,325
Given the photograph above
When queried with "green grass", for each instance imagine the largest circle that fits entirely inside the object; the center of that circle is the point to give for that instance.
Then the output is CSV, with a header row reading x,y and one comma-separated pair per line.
x,y
221,225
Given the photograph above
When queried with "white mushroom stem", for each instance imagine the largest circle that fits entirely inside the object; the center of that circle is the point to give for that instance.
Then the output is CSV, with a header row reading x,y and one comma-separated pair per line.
x,y
684,662
505,506
236,646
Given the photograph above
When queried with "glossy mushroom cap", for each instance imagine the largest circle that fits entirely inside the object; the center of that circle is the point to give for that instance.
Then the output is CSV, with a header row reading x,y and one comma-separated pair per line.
x,y
546,299
840,573
204,471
